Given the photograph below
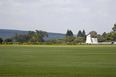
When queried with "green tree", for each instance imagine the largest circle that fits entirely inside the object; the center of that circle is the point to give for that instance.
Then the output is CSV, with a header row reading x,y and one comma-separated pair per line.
x,y
1,40
51,41
80,34
104,34
93,33
114,28
8,40
84,34
61,40
31,36
69,39
101,38
41,35
69,33
109,37
34,38
79,40
114,36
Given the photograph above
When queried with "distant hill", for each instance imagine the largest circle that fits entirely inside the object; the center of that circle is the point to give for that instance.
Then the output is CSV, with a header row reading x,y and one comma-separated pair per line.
x,y
6,33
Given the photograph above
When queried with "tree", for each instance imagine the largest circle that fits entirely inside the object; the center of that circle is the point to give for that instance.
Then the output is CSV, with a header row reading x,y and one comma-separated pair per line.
x,y
114,36
101,38
34,38
31,36
21,38
61,40
93,33
114,28
109,37
79,40
69,39
8,40
69,33
84,34
41,35
51,41
80,34
104,34
1,40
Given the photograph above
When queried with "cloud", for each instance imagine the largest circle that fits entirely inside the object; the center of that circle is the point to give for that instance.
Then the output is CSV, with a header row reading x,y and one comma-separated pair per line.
x,y
56,1
45,14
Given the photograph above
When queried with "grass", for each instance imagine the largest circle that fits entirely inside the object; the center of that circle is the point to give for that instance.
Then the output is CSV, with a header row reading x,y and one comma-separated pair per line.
x,y
58,61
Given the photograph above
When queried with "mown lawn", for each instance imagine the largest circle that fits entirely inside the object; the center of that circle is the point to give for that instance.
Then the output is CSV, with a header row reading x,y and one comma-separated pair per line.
x,y
58,61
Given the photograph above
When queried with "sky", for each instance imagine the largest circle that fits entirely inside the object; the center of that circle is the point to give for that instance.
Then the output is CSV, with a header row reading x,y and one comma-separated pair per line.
x,y
58,15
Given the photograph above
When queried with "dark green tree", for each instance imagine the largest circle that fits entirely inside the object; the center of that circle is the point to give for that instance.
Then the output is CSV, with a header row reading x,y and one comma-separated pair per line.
x,y
114,28
31,36
69,33
8,40
21,38
41,35
1,40
104,34
84,35
114,36
109,37
80,34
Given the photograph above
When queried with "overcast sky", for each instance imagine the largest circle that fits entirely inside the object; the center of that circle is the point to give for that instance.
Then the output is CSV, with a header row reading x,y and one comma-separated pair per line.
x,y
58,15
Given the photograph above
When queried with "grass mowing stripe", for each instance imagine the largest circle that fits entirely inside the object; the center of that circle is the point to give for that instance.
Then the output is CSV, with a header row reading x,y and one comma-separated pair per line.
x,y
56,61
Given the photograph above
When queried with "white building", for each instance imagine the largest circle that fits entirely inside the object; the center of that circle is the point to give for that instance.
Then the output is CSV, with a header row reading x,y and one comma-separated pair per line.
x,y
90,40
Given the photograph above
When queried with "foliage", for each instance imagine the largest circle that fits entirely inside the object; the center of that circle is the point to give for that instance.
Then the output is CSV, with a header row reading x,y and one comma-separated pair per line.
x,y
21,38
8,40
79,40
80,34
31,36
69,39
114,28
93,33
69,33
41,35
100,38
111,37
104,34
1,40
84,35
51,41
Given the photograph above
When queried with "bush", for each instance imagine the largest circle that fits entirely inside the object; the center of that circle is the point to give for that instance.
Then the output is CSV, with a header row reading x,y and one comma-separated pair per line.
x,y
8,40
79,40
1,40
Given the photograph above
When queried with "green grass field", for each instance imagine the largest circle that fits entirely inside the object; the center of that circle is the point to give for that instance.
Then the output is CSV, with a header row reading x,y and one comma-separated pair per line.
x,y
58,61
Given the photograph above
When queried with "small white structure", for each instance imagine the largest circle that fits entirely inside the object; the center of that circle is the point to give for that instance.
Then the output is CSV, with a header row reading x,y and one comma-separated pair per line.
x,y
94,41
90,40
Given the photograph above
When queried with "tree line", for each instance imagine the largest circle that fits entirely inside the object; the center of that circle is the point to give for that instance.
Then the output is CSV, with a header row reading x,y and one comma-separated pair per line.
x,y
37,37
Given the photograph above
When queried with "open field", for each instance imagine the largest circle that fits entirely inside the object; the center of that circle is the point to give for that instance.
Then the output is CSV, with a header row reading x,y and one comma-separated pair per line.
x,y
58,61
